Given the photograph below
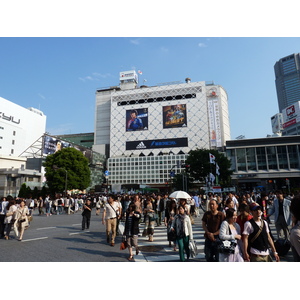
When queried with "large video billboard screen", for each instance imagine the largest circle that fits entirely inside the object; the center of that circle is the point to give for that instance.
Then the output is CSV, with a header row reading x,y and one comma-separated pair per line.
x,y
51,145
137,119
174,116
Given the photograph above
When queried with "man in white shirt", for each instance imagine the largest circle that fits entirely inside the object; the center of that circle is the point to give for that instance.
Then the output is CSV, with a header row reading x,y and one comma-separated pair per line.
x,y
256,234
111,213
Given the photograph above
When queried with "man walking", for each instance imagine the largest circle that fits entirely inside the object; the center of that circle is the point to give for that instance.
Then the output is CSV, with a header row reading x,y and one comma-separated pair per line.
x,y
111,213
256,238
283,218
211,223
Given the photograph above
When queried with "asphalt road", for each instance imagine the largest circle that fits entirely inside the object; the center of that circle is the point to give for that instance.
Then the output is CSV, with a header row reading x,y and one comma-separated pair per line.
x,y
59,238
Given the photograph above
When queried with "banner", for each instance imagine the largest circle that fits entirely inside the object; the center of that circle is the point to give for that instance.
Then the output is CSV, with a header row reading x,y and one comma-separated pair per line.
x,y
154,144
174,116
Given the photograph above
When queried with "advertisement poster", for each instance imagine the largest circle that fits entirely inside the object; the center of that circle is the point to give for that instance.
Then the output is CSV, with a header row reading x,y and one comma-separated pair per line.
x,y
137,119
174,116
51,145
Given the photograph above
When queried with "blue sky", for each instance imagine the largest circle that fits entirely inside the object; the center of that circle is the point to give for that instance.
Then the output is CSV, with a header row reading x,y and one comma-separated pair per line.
x,y
60,75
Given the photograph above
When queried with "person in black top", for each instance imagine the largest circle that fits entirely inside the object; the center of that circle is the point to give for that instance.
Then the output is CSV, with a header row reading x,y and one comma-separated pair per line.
x,y
86,214
131,230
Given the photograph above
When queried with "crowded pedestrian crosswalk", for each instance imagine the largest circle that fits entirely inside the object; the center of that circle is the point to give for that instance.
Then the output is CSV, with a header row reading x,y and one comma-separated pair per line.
x,y
160,251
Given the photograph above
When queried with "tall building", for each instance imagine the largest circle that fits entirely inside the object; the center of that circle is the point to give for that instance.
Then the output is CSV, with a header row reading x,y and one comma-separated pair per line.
x,y
148,131
287,80
19,127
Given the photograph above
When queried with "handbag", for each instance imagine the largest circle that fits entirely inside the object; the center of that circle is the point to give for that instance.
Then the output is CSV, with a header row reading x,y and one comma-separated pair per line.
x,y
193,248
227,247
124,244
172,235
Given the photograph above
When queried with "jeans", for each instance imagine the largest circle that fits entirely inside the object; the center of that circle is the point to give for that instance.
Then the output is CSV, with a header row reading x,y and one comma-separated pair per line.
x,y
183,246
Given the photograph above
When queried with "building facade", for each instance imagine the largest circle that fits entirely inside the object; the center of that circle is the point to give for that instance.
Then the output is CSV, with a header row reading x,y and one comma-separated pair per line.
x,y
270,163
287,80
148,131
19,127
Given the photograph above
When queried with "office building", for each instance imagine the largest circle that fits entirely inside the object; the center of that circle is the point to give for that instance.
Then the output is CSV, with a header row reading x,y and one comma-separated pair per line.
x,y
287,80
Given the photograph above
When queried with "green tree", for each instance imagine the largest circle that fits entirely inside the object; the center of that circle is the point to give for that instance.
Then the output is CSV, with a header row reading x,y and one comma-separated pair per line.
x,y
67,167
200,166
23,191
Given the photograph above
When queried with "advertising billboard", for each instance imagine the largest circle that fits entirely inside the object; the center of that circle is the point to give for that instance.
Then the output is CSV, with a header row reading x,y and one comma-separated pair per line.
x,y
159,143
291,114
137,119
51,145
174,116
214,123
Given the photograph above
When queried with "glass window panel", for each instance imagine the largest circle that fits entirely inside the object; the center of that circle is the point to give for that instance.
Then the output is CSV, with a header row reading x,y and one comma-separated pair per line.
x,y
293,157
261,158
251,162
241,159
282,157
272,159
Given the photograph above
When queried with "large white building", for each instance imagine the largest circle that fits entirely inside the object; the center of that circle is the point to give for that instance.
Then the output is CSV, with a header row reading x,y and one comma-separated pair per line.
x,y
19,127
148,131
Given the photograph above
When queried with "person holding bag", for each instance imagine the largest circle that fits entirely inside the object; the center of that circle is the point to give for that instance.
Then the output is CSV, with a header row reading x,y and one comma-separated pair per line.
x,y
230,231
131,230
183,228
21,220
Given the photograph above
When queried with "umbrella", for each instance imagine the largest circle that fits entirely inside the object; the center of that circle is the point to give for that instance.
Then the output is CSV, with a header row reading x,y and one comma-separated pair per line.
x,y
180,194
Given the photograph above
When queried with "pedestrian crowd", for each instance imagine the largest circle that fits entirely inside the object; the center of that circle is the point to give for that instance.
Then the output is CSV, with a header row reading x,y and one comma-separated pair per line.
x,y
236,227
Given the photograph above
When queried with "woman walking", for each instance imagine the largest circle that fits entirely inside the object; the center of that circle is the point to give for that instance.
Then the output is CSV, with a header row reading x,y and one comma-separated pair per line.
x,y
149,213
183,228
231,231
21,220
170,213
131,230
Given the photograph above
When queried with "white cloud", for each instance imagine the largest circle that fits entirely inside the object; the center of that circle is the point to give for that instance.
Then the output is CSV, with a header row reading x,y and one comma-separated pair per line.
x,y
164,49
135,42
42,96
202,45
95,77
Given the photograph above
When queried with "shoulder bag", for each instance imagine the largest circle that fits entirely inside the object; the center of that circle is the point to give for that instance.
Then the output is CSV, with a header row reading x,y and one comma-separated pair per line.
x,y
227,247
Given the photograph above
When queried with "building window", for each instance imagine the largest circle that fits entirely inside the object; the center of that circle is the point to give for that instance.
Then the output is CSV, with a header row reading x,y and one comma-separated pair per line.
x,y
14,132
293,157
282,157
251,162
241,159
13,142
272,159
261,158
12,151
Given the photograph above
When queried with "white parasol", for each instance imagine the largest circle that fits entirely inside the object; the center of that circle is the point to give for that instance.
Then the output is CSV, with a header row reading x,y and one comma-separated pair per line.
x,y
180,195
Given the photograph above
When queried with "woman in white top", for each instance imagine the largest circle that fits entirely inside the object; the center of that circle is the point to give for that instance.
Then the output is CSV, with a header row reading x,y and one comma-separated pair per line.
x,y
21,220
231,231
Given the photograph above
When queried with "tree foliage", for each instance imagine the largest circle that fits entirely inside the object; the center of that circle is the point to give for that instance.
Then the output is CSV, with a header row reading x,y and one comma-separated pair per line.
x,y
200,166
70,162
